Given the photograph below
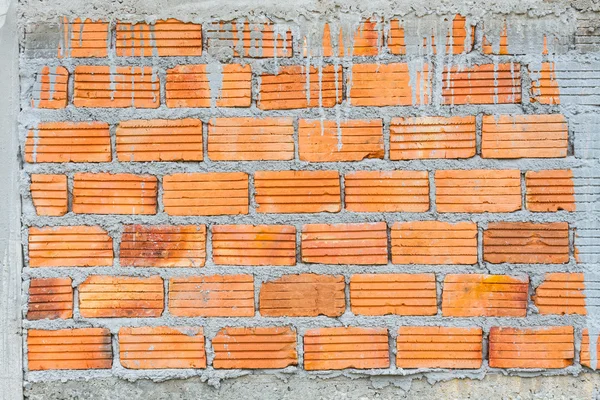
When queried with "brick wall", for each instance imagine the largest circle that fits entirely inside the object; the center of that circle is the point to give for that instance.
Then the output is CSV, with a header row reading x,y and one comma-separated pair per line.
x,y
239,195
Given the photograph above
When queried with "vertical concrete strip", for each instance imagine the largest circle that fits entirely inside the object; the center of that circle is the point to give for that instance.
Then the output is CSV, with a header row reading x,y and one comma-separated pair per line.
x,y
11,365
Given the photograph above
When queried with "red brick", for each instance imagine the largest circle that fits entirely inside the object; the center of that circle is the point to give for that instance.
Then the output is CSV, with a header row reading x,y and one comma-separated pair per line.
x,y
304,295
561,293
121,297
213,193
341,348
361,244
398,294
253,40
83,38
255,348
476,295
49,194
50,88
544,85
254,245
114,193
163,38
550,190
50,298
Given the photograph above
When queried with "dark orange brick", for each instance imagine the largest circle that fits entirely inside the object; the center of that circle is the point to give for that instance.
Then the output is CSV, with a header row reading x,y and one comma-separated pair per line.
x,y
249,39
544,85
83,38
561,293
550,190
50,88
49,194
163,38
50,298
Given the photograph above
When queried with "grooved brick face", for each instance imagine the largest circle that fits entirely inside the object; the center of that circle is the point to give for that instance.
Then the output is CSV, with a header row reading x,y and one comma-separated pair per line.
x,y
83,38
162,38
475,295
501,46
50,88
584,354
561,293
305,295
50,298
544,347
544,85
439,347
255,348
550,190
49,194
340,348
366,41
251,39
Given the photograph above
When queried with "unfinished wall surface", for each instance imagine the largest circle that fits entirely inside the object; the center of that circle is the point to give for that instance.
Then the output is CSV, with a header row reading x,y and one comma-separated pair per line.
x,y
303,193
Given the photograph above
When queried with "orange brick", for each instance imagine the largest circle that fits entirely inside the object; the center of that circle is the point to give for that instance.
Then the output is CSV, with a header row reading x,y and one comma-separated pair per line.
x,y
250,139
199,86
340,348
163,38
539,347
439,347
387,191
254,40
162,347
50,298
561,293
544,86
83,38
550,190
476,295
297,191
434,242
584,354
254,244
50,88
70,246
295,87
398,294
68,142
84,348
526,242
482,84
114,193
347,140
366,41
478,191
160,140
432,137
362,244
304,295
163,246
255,348
388,85
213,193
524,136
116,87
212,296
49,194
500,45
121,297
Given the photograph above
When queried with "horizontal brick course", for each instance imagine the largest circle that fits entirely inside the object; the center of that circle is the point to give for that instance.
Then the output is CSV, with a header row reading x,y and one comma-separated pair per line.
x,y
250,39
163,38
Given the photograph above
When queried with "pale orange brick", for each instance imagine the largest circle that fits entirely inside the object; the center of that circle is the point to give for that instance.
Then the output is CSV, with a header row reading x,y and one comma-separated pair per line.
x,y
439,347
341,348
162,347
70,246
524,136
362,244
116,87
296,87
585,357
526,242
544,85
254,244
550,190
121,297
163,246
434,242
49,194
387,191
251,39
539,347
68,142
432,137
297,191
213,193
476,295
367,40
304,295
83,38
212,296
478,191
190,86
105,193
561,293
499,45
162,38
50,298
250,139
346,140
50,88
83,348
388,85
482,84
398,294
160,140
255,348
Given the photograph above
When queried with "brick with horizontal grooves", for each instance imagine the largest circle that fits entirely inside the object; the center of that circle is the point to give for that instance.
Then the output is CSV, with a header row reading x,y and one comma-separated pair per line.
x,y
50,298
545,87
550,190
83,38
585,357
587,35
49,194
367,40
162,38
50,88
251,39
587,239
562,293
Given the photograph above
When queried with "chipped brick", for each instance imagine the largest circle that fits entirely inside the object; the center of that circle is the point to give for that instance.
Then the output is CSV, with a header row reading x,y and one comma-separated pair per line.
x,y
49,194
163,38
561,293
50,88
50,298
